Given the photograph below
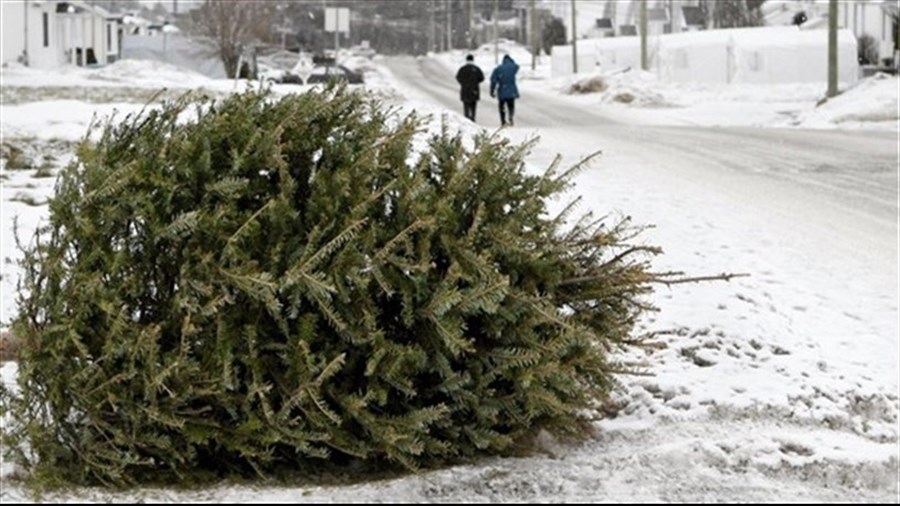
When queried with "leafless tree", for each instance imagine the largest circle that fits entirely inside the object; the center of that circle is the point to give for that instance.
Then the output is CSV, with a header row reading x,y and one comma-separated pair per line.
x,y
732,13
230,26
867,50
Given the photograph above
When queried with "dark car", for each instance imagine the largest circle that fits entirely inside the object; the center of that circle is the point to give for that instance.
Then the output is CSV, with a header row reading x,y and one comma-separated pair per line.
x,y
325,73
291,78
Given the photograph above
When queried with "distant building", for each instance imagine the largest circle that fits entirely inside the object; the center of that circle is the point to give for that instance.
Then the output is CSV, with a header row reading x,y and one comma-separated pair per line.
x,y
47,33
862,17
132,24
663,16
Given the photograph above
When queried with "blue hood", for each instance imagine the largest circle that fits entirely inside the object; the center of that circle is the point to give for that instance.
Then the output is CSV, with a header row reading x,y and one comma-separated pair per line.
x,y
503,79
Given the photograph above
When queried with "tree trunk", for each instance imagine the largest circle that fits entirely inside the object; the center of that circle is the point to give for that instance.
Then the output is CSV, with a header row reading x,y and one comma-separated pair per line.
x,y
230,60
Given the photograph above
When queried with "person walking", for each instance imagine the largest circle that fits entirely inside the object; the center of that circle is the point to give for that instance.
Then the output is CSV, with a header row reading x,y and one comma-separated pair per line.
x,y
503,86
469,77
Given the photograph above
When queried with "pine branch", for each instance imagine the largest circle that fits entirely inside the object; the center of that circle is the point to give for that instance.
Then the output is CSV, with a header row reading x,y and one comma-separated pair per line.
x,y
699,279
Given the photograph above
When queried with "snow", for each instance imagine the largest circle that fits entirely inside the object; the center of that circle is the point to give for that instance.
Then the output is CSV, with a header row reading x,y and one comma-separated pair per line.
x,y
761,55
870,104
778,386
140,73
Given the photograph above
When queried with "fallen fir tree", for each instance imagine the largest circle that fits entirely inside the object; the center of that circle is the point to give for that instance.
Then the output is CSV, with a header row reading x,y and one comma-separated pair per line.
x,y
237,287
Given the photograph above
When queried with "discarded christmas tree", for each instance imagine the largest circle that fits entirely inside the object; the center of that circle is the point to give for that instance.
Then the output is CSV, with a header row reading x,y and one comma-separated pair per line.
x,y
249,285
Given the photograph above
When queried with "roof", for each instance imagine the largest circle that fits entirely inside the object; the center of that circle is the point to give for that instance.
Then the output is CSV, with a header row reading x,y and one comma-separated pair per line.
x,y
130,19
79,6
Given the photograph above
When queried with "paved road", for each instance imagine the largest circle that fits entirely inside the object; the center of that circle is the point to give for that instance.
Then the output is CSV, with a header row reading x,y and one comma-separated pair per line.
x,y
844,182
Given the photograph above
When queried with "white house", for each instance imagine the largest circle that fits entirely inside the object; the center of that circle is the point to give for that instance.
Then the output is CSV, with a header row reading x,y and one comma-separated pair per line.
x,y
29,33
88,34
49,33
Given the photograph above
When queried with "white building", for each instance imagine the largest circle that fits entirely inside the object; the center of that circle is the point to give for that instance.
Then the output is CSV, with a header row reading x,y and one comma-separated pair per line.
x,y
599,18
762,55
29,33
48,33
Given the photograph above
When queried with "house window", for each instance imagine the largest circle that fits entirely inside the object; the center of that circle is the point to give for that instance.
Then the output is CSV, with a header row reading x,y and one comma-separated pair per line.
x,y
46,24
109,37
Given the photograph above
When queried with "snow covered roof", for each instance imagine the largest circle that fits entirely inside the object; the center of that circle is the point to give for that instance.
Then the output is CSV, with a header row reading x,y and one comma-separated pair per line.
x,y
792,36
132,19
82,7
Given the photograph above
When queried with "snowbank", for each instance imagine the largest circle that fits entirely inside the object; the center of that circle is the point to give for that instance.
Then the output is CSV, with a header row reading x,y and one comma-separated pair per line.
x,y
139,73
873,103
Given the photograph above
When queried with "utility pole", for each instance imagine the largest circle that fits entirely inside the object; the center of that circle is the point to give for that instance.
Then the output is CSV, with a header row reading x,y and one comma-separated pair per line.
x,y
832,49
496,32
471,40
541,30
532,36
431,31
574,41
645,64
25,25
449,25
615,18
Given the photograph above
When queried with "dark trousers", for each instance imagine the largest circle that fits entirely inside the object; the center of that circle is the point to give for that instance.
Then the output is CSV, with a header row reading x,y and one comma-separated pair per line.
x,y
507,105
469,109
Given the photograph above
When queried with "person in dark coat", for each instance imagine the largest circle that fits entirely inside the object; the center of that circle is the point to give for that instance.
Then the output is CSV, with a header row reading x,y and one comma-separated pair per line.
x,y
469,78
503,86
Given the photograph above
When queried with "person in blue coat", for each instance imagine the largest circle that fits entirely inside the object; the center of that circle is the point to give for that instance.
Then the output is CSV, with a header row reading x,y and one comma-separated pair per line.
x,y
503,86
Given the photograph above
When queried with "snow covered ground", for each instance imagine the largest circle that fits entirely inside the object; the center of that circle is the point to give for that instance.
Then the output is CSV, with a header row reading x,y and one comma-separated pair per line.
x,y
781,386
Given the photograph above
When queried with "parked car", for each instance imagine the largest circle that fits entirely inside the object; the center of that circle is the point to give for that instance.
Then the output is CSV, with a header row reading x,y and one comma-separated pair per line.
x,y
362,50
280,76
326,73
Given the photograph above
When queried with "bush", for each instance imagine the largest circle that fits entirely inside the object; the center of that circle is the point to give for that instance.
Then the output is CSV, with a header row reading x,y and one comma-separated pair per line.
x,y
248,286
594,84
624,97
554,34
15,158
